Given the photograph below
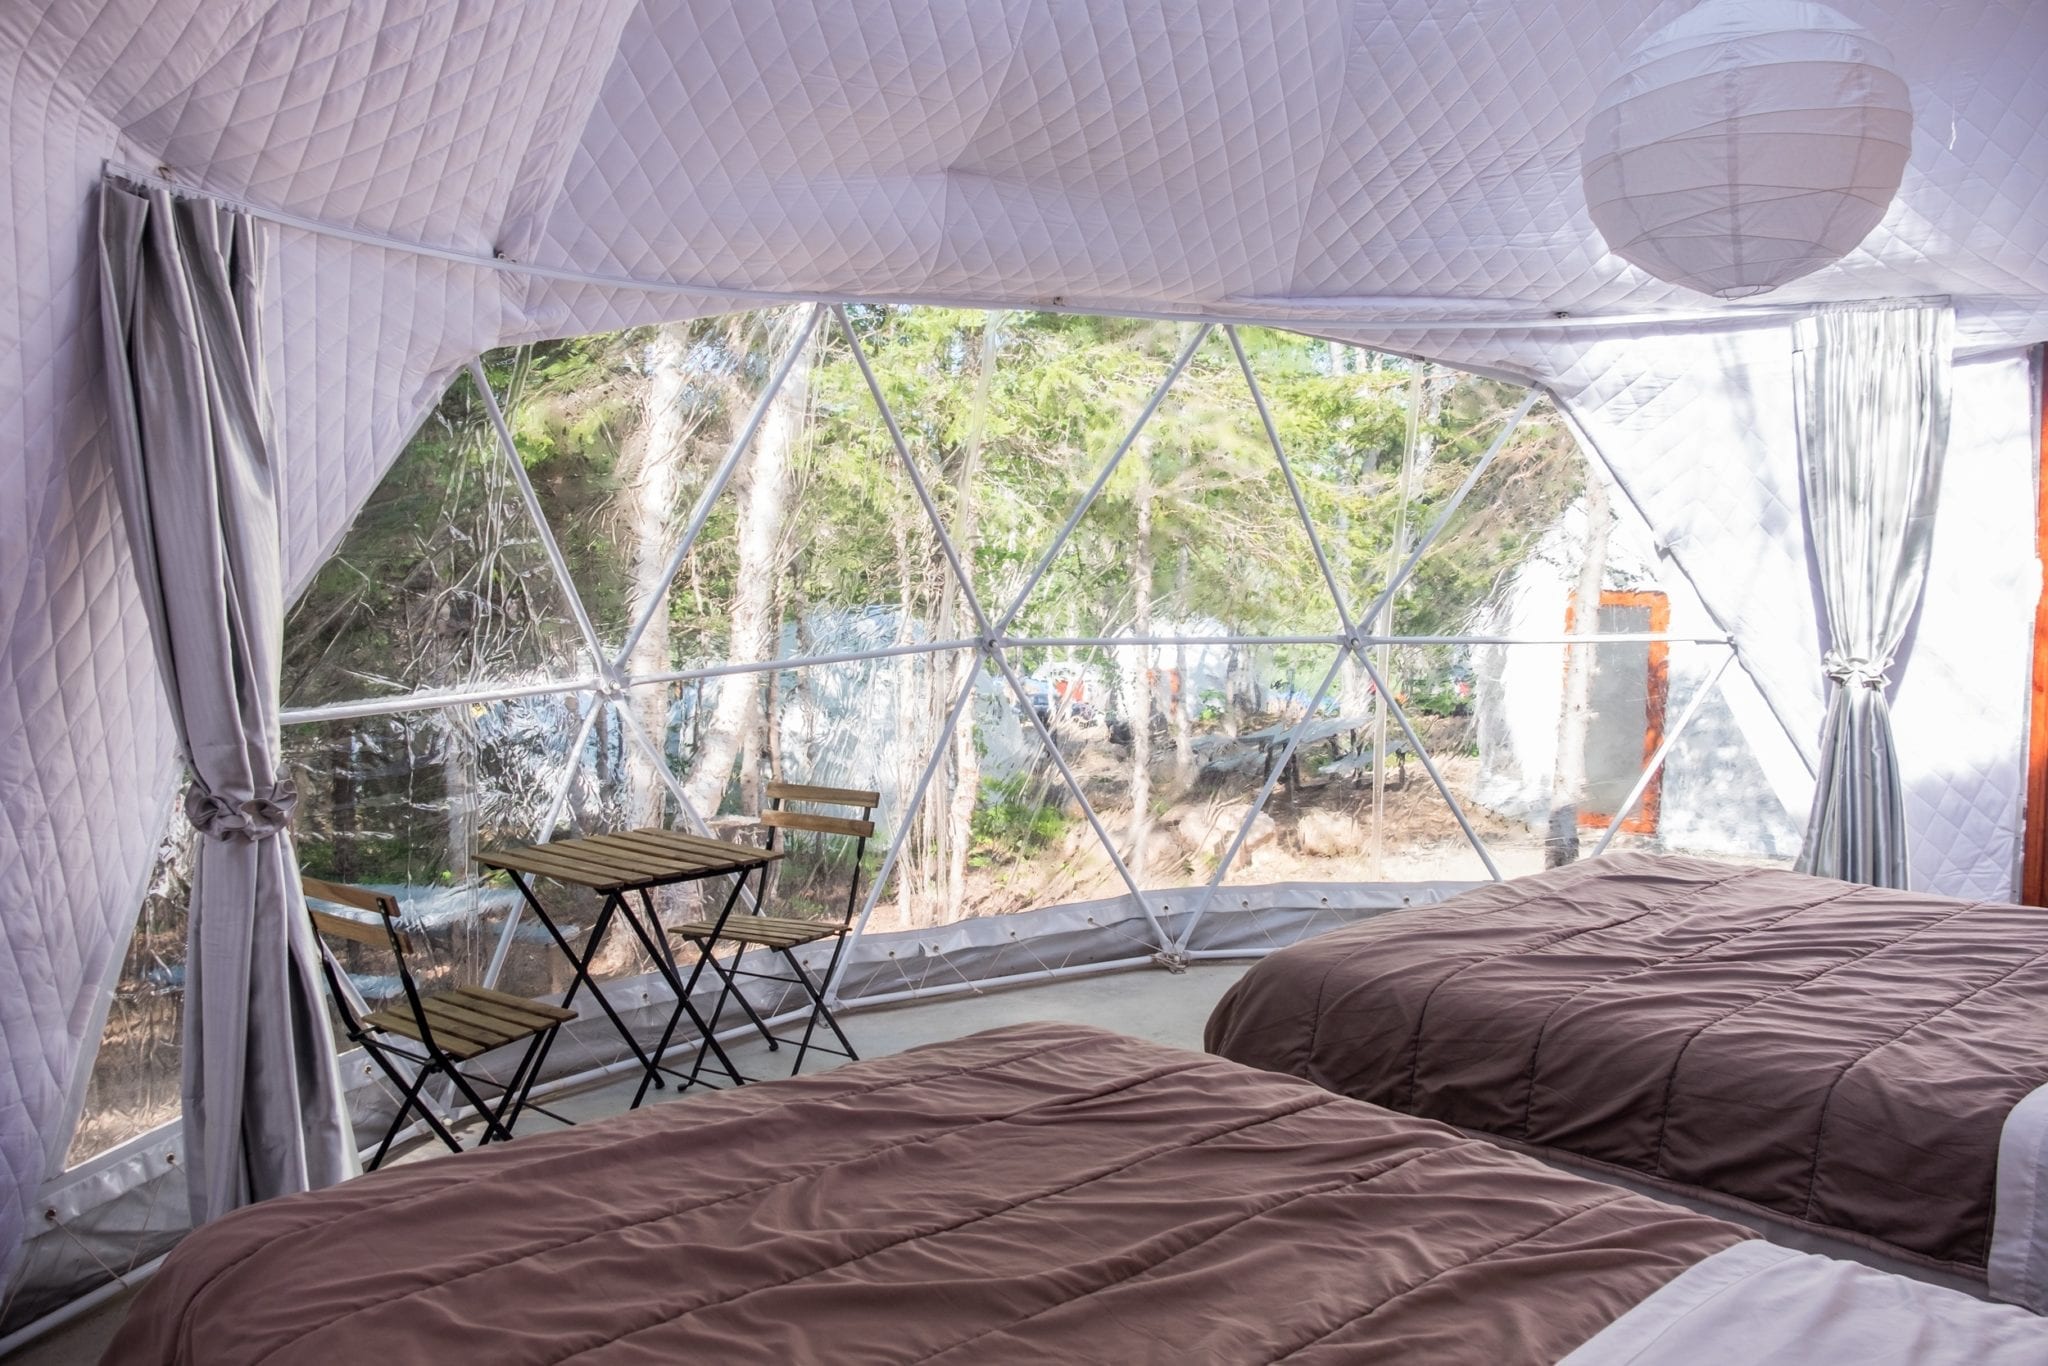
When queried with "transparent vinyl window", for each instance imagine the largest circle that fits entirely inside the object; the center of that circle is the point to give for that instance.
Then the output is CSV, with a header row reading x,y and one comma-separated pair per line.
x,y
134,1083
1078,655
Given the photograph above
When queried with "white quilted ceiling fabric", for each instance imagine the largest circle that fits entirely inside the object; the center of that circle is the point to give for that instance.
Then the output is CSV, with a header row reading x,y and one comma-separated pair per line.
x,y
458,173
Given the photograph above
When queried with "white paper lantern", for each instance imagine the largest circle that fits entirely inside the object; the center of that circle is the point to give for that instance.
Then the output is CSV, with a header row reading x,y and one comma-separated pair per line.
x,y
1747,144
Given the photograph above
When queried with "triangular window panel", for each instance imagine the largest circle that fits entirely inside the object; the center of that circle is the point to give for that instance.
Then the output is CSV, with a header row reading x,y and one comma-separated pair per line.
x,y
1195,533
1010,416
822,547
1543,740
1001,829
1342,414
1326,798
1525,514
626,435
941,373
1173,743
862,724
442,582
1557,761
1356,803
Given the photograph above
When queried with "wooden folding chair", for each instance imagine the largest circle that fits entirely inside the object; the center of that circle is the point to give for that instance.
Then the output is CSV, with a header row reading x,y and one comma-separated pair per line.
x,y
435,1030
783,935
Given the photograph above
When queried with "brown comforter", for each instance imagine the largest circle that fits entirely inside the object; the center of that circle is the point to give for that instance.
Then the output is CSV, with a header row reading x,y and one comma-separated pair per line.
x,y
1842,1057
1043,1193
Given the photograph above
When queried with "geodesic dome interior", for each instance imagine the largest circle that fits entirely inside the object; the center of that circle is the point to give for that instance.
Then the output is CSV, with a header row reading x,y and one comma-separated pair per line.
x,y
448,180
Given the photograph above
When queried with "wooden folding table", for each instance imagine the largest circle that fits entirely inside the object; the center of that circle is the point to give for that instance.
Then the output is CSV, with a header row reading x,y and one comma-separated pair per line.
x,y
617,866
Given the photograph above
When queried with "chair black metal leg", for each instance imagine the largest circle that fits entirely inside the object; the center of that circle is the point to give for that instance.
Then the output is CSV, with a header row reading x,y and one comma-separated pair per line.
x,y
706,1040
803,1048
439,1126
406,1104
760,1025
819,1010
409,1100
739,884
831,970
731,987
707,1035
708,1029
521,1084
492,1129
725,1063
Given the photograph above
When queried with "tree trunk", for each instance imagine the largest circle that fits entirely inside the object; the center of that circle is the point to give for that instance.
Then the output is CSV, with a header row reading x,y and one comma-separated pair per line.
x,y
1177,703
966,758
752,753
966,791
1575,713
1233,686
458,786
1354,688
909,860
653,485
764,488
341,796
778,770
756,752
1414,458
1141,714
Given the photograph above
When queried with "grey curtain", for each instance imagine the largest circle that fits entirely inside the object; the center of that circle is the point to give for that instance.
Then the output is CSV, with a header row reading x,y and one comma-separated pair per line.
x,y
1871,389
182,308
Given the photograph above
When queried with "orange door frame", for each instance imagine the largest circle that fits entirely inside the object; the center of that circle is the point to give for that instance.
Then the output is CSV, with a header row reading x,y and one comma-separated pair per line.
x,y
2034,861
1643,820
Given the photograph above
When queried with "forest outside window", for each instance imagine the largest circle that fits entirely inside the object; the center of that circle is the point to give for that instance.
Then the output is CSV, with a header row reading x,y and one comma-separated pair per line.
x,y
1173,704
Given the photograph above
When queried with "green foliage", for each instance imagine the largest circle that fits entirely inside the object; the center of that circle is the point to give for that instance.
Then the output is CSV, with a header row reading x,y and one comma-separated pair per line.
x,y
1437,698
1013,819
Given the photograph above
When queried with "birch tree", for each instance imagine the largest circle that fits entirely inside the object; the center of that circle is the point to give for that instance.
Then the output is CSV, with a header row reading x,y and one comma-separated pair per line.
x,y
966,775
758,548
652,488
1141,714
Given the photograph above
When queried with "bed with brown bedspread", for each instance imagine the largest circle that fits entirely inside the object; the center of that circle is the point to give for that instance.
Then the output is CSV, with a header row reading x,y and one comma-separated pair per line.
x,y
1042,1193
1840,1058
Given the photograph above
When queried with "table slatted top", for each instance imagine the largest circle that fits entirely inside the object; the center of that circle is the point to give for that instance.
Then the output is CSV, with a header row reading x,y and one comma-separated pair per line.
x,y
632,858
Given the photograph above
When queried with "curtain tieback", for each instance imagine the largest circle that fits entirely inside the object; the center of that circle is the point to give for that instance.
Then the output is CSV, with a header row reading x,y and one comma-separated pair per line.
x,y
257,818
1851,672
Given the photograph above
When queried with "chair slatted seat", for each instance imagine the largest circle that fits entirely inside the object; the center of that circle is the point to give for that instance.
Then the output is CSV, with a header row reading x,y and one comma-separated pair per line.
x,y
786,931
514,1008
440,1029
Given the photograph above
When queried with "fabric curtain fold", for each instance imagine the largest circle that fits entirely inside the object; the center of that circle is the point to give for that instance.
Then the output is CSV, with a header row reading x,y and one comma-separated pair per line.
x,y
1871,396
182,304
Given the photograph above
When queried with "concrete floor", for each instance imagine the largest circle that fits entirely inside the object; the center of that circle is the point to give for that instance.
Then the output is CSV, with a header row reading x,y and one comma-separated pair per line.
x,y
1163,1007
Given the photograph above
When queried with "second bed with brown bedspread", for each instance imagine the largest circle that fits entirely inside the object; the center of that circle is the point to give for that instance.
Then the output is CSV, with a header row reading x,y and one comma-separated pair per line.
x,y
1840,1057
